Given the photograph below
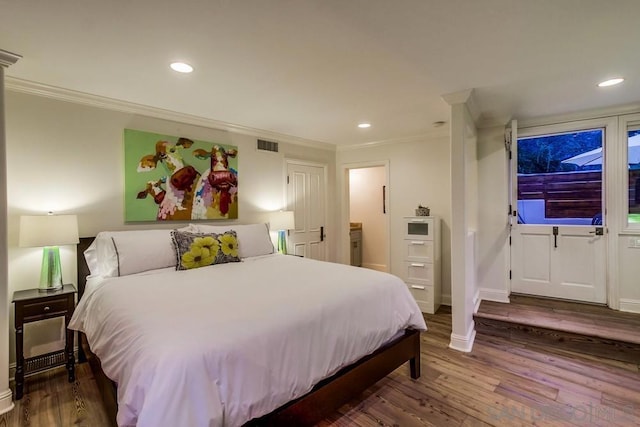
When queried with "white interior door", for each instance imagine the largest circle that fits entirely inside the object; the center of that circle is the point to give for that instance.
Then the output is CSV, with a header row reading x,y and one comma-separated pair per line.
x,y
558,244
306,197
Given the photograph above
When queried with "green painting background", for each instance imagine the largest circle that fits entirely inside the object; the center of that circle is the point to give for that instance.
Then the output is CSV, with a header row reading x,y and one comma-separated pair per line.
x,y
138,144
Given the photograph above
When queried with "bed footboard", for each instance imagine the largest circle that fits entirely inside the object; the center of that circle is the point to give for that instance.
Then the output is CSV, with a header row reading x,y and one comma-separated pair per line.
x,y
331,393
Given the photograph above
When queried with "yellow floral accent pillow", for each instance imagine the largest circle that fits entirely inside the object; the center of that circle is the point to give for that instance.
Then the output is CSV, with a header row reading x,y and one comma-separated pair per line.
x,y
194,250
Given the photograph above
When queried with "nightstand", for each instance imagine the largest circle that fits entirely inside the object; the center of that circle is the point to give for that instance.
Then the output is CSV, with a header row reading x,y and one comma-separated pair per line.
x,y
32,305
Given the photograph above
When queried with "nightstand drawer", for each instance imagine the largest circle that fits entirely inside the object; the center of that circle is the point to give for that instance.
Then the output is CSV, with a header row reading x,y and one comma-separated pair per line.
x,y
419,250
419,272
45,308
421,293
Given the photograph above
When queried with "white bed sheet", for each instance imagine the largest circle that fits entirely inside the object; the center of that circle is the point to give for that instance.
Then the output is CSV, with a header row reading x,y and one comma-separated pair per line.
x,y
221,345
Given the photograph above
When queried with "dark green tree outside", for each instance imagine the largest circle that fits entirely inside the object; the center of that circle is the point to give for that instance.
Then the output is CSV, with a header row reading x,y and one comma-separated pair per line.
x,y
545,154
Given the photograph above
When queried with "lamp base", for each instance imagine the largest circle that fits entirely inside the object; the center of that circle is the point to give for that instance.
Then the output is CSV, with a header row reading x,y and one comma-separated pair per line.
x,y
282,242
51,273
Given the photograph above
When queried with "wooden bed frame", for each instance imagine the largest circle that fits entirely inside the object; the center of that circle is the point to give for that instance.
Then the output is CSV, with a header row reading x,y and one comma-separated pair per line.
x,y
327,396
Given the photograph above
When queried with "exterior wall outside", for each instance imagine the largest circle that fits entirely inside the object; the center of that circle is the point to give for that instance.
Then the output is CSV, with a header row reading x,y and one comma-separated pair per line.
x,y
69,158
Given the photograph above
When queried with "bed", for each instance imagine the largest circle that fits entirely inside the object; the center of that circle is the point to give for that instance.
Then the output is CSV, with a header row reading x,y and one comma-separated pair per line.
x,y
270,340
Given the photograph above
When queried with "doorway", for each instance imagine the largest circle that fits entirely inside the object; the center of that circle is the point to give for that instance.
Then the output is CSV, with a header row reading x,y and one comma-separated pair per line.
x,y
558,234
306,197
368,216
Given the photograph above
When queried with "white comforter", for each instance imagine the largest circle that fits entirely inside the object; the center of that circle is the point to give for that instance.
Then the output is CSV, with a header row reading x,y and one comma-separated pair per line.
x,y
221,345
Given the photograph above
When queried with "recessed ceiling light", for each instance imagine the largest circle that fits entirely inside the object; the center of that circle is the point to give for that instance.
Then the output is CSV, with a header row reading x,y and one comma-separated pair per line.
x,y
611,82
364,125
181,67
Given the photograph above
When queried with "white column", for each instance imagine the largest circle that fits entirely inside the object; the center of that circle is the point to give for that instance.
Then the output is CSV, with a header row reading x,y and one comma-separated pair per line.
x,y
6,401
462,288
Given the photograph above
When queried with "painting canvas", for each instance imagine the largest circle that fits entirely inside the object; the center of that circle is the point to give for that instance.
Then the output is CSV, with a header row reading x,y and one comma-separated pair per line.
x,y
177,178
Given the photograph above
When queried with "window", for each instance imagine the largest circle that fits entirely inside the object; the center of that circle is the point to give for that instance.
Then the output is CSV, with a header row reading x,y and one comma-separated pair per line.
x,y
633,160
560,178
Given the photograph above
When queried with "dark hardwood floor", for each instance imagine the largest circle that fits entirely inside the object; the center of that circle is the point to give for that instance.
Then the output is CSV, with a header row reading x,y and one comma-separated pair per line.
x,y
500,383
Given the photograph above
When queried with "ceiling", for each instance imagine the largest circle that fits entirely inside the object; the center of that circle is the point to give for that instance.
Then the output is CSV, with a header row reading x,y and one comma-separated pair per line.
x,y
315,69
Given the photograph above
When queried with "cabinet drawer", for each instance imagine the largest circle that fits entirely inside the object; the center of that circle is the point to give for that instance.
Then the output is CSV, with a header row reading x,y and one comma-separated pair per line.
x,y
421,293
418,228
421,272
44,308
419,250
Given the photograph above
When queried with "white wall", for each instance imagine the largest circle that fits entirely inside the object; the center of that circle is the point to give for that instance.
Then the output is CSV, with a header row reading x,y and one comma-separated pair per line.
x,y
629,272
418,174
365,206
464,216
69,158
492,259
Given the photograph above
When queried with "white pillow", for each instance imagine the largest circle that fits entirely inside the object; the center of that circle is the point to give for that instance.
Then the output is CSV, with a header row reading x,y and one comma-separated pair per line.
x,y
253,239
119,253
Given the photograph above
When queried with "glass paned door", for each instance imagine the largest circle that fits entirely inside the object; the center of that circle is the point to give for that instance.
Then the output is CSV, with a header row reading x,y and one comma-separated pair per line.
x,y
560,178
633,159
558,243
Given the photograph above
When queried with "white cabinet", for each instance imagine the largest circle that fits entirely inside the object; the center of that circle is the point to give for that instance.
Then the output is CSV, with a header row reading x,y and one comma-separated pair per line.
x,y
421,269
356,247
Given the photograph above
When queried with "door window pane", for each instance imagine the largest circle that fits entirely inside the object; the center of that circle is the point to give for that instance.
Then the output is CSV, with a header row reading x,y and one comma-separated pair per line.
x,y
560,178
633,159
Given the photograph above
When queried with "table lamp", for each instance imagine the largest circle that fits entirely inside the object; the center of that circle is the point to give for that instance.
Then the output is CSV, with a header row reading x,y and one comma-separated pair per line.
x,y
49,231
282,221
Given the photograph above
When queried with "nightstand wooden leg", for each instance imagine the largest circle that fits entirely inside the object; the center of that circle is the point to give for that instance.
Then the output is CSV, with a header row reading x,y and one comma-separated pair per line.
x,y
71,361
19,363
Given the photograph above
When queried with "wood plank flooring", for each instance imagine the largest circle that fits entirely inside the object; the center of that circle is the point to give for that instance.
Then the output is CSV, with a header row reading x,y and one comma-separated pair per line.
x,y
500,383
585,328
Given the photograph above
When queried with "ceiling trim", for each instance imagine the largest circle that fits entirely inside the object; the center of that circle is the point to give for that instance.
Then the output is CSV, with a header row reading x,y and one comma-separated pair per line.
x,y
8,58
77,97
582,115
439,133
466,97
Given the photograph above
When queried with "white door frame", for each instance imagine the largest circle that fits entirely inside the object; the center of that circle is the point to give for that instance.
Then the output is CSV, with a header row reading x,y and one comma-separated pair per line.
x,y
343,227
611,197
325,169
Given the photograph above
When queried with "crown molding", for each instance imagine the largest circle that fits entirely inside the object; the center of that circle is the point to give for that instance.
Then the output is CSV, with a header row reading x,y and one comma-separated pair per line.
x,y
580,115
466,97
459,97
77,97
8,58
439,133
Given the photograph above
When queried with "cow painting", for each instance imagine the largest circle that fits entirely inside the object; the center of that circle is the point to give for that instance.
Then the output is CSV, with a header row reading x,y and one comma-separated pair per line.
x,y
180,182
177,178
217,186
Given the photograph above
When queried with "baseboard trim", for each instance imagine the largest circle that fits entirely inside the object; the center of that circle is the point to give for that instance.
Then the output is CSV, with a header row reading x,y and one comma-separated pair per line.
x,y
6,401
377,267
445,299
463,343
476,301
497,295
630,305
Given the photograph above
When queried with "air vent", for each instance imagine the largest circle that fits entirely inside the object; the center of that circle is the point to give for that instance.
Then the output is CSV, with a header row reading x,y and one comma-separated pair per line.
x,y
267,146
